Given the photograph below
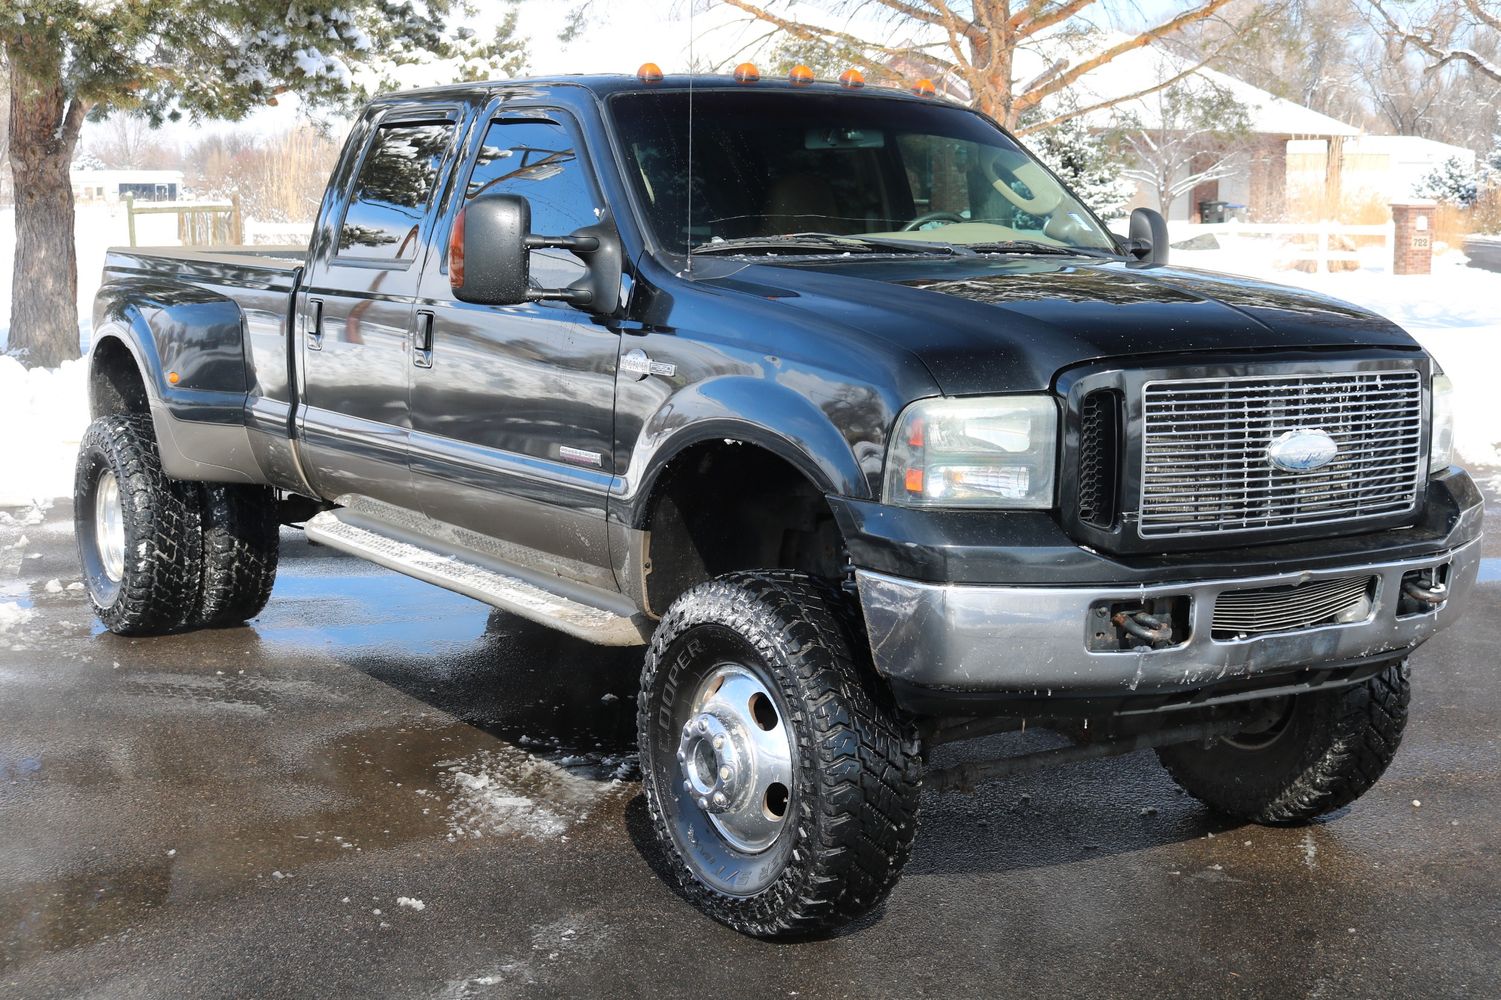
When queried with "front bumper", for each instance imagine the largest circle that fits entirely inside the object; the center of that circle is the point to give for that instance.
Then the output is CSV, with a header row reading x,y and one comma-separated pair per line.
x,y
974,647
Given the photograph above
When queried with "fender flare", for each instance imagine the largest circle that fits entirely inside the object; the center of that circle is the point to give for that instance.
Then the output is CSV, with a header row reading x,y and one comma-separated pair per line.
x,y
752,411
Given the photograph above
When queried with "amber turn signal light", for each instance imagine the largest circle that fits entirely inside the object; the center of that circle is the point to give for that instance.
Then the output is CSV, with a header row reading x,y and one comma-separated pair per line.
x,y
852,78
649,72
456,252
747,73
800,76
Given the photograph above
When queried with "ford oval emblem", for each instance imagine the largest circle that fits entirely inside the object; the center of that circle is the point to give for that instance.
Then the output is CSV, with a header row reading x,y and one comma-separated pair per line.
x,y
1302,450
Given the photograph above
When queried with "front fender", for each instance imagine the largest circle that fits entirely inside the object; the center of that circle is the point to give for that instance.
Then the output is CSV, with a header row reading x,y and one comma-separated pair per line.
x,y
745,409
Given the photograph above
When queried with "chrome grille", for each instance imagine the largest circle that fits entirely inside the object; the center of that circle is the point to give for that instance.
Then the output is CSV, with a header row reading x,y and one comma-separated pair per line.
x,y
1245,613
1204,451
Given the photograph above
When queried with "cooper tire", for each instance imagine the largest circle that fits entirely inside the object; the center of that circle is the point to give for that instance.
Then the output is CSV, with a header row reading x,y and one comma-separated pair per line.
x,y
139,533
1329,749
241,540
836,836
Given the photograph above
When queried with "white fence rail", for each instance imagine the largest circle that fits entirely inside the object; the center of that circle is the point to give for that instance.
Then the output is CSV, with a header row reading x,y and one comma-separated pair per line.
x,y
1320,251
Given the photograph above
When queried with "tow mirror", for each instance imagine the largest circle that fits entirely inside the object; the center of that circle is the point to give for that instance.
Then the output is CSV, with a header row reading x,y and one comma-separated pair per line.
x,y
489,257
1148,236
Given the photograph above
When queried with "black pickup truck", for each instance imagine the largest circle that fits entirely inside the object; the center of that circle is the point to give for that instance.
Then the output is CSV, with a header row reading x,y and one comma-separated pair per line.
x,y
840,404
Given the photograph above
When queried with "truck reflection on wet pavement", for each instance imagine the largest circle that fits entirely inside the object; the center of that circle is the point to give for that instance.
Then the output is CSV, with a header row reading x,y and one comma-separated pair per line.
x,y
381,788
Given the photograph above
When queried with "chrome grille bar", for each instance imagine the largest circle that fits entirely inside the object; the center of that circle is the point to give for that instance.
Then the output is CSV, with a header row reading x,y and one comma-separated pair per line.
x,y
1205,466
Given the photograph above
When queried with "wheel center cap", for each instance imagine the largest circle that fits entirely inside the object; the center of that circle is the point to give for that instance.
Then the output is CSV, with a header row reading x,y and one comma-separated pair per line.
x,y
711,763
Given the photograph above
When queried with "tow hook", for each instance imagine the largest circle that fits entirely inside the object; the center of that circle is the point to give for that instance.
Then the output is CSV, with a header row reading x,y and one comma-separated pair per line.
x,y
1143,626
1432,593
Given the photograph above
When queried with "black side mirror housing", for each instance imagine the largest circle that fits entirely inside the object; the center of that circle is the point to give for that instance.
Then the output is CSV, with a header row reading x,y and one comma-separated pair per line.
x,y
1148,236
489,262
489,257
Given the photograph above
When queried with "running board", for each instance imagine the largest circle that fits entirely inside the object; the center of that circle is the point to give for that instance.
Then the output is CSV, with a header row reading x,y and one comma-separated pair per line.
x,y
469,574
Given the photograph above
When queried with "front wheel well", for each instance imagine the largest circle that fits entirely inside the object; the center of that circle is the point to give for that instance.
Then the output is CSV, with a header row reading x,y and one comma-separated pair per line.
x,y
724,506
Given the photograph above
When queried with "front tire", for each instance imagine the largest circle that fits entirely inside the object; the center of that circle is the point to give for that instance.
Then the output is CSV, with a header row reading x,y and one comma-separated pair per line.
x,y
139,533
778,779
1325,750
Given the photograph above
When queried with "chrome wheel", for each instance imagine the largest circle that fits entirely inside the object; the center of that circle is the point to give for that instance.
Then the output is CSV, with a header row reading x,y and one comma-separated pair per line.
x,y
109,527
735,756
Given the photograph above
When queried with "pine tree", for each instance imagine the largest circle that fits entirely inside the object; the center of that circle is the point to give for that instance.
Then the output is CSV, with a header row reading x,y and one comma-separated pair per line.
x,y
168,59
1086,163
1450,181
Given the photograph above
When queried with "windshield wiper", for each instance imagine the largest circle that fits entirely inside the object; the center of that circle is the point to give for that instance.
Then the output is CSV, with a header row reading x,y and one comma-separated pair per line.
x,y
822,243
1038,247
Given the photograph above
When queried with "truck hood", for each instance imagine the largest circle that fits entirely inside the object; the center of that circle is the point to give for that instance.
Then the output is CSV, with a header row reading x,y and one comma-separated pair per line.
x,y
995,324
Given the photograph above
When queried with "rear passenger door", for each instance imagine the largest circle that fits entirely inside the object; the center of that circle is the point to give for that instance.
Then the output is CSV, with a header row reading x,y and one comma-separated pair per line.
x,y
513,409
356,310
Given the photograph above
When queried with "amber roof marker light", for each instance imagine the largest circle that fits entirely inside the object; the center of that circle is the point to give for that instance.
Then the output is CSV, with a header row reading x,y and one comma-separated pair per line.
x,y
924,88
800,76
852,79
649,72
747,73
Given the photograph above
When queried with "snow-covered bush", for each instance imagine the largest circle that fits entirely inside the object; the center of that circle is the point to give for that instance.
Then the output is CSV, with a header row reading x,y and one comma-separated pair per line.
x,y
1452,182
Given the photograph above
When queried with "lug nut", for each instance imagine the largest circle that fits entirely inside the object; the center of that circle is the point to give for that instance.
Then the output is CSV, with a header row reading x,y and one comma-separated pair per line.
x,y
719,799
703,726
724,774
687,787
703,803
719,743
682,757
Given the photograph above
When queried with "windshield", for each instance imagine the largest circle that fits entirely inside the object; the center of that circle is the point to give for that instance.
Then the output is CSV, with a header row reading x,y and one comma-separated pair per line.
x,y
767,164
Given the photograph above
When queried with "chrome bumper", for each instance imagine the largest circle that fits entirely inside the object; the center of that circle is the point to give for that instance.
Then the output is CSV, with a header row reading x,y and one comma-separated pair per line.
x,y
1032,640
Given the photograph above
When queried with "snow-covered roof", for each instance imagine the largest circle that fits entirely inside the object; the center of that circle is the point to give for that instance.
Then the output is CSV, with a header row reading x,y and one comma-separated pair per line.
x,y
1139,69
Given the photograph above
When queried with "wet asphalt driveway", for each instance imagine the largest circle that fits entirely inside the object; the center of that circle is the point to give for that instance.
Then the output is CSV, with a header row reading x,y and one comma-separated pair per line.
x,y
241,813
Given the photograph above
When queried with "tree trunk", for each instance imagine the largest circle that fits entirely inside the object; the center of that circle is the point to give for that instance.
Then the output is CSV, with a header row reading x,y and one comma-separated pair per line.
x,y
44,308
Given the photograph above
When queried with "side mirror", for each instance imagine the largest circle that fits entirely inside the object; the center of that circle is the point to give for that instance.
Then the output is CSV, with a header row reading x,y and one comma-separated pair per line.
x,y
489,257
1148,239
489,262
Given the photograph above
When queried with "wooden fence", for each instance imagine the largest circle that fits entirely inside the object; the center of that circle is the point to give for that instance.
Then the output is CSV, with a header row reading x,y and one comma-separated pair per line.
x,y
1320,250
199,224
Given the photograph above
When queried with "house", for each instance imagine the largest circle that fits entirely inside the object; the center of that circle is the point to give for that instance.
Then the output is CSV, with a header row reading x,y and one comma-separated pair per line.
x,y
1384,168
1259,177
98,184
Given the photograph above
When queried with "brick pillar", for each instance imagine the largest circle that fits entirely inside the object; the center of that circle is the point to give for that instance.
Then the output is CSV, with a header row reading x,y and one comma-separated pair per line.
x,y
1412,249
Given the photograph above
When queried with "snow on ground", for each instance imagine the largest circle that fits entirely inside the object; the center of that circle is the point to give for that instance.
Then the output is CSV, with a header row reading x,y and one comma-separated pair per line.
x,y
43,414
510,792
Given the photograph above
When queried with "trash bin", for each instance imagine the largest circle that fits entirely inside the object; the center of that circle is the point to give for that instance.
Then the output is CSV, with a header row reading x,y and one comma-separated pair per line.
x,y
1212,211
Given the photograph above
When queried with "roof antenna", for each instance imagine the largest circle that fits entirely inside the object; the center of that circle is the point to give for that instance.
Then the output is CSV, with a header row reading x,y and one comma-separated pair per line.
x,y
688,267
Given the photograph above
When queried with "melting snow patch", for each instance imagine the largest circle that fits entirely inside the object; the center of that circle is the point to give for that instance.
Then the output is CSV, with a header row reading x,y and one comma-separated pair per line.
x,y
512,793
13,615
410,903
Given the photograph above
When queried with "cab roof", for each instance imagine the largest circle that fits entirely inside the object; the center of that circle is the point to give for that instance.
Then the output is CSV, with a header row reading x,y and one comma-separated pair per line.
x,y
605,85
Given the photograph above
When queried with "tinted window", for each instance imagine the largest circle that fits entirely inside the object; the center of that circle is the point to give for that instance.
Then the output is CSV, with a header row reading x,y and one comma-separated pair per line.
x,y
540,161
392,192
772,163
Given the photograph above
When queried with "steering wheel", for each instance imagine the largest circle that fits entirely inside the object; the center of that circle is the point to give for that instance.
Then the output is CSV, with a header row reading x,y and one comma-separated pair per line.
x,y
927,217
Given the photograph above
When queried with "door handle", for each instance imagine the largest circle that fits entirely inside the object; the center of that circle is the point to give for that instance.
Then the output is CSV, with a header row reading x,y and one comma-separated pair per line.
x,y
422,340
315,325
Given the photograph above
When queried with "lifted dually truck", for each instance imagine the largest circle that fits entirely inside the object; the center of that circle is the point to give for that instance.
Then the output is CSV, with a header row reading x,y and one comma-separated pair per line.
x,y
858,420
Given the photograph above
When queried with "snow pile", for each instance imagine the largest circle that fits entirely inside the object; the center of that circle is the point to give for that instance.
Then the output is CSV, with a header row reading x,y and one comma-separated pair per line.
x,y
13,615
410,903
508,793
43,413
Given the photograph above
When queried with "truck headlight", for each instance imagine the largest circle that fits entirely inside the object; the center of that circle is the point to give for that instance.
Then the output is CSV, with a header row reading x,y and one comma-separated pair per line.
x,y
994,451
1441,433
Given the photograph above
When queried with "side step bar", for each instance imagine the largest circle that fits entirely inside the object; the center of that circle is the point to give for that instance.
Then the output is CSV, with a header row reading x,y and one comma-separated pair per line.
x,y
472,575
